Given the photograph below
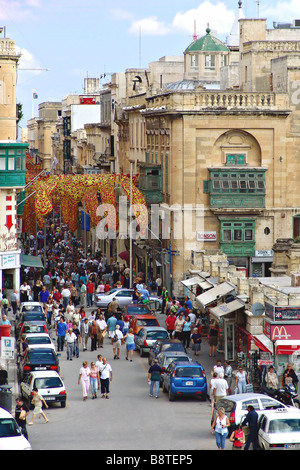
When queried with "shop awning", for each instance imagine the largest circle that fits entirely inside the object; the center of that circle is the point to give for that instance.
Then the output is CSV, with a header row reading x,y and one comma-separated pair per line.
x,y
287,346
263,343
192,281
31,261
224,309
215,293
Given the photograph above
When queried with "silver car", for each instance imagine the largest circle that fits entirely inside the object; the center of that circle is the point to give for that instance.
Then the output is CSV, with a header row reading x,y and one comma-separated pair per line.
x,y
122,295
146,338
165,358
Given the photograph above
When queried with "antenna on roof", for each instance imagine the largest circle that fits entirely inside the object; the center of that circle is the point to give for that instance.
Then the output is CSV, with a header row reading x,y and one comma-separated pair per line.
x,y
195,35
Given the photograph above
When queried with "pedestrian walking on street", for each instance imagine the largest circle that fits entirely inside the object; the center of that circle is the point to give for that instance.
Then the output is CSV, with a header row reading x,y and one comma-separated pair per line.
x,y
241,380
220,427
94,379
38,401
117,341
84,379
154,375
84,333
105,372
21,413
61,329
212,339
70,342
130,345
228,372
196,341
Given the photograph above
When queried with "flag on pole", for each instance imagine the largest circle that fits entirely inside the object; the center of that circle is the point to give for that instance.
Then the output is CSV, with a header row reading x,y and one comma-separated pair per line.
x,y
35,96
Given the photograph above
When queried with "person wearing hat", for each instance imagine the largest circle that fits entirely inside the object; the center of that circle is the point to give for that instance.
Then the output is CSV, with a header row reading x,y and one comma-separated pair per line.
x,y
154,375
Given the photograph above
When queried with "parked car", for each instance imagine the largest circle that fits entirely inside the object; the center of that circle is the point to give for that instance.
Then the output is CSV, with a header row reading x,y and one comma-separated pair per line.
x,y
136,309
39,340
139,321
28,317
11,437
49,384
147,337
32,327
235,406
38,359
122,295
279,429
31,307
165,345
185,379
164,359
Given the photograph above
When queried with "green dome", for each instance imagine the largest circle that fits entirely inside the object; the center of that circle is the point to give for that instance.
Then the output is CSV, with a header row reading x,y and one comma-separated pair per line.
x,y
207,43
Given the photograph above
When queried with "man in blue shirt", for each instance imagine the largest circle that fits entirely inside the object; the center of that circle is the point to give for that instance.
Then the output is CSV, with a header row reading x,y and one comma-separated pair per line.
x,y
61,328
111,323
43,295
251,419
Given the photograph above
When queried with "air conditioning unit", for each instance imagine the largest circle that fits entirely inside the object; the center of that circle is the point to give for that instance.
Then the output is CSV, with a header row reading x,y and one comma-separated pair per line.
x,y
296,23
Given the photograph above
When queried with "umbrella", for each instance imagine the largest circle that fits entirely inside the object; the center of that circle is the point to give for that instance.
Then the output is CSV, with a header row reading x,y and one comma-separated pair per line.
x,y
125,256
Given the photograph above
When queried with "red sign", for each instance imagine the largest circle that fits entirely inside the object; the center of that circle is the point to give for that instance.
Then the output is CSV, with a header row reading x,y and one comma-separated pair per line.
x,y
281,331
87,100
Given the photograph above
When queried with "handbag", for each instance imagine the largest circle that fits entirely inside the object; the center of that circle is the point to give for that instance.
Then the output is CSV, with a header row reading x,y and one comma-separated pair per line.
x,y
22,415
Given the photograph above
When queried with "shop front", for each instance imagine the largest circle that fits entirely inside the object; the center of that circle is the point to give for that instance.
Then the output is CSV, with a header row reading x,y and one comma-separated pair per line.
x,y
10,265
285,337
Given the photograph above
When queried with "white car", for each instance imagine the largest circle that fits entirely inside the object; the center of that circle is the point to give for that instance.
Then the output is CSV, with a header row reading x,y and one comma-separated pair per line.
x,y
11,437
122,295
279,429
39,340
236,406
49,384
32,307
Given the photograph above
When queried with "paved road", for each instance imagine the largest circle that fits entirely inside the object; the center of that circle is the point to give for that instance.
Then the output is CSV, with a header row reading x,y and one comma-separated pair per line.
x,y
130,419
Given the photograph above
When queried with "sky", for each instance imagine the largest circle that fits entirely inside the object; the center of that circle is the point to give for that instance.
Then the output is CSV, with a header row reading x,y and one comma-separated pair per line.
x,y
64,41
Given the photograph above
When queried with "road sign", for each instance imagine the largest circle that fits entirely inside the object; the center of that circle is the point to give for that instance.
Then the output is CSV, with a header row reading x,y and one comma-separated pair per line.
x,y
7,347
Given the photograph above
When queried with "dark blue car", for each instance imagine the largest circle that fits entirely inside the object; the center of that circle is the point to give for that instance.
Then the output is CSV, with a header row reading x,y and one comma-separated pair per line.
x,y
185,379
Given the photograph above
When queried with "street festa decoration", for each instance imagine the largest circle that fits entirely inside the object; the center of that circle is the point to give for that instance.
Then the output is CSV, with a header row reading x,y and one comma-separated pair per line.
x,y
68,191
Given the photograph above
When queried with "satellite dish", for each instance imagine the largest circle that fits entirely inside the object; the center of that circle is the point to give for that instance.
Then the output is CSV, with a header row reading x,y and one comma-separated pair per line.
x,y
258,309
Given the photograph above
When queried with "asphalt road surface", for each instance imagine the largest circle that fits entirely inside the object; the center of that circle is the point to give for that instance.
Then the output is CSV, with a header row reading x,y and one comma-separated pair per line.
x,y
128,420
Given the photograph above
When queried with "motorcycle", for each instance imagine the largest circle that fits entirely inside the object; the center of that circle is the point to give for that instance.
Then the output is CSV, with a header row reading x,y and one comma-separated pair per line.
x,y
286,395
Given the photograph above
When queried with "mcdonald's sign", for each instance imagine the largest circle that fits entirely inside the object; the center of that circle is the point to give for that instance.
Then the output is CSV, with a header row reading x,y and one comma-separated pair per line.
x,y
280,332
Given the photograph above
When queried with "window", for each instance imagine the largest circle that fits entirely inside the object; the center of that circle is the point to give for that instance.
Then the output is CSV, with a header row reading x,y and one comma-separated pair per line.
x,y
238,182
194,61
210,61
236,159
243,231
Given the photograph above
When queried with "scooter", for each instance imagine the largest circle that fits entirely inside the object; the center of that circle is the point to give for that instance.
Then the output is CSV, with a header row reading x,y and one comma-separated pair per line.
x,y
286,395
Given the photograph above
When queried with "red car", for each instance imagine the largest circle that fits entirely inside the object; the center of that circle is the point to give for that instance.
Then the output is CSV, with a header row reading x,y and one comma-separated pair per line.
x,y
137,322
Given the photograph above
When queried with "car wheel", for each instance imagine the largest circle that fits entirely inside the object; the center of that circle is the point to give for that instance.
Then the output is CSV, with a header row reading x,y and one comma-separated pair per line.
x,y
164,388
63,404
171,396
141,352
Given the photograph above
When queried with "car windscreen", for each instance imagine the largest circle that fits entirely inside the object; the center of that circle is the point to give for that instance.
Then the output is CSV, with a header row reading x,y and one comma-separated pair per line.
x,y
38,340
146,322
9,428
33,316
284,425
157,334
134,310
172,347
32,308
176,358
33,329
194,372
48,382
41,356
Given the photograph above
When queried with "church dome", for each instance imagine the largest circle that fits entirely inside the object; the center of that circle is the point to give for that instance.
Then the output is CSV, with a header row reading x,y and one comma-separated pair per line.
x,y
207,43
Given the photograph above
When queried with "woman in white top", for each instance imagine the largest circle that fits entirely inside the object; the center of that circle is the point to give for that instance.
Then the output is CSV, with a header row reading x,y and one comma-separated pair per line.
x,y
241,380
220,426
84,378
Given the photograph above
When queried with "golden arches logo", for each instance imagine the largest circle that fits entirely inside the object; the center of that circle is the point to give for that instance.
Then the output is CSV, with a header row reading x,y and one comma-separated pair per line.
x,y
280,333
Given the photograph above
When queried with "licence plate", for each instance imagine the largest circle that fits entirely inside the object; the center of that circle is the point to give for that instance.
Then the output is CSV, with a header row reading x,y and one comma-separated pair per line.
x,y
40,368
292,446
49,398
189,383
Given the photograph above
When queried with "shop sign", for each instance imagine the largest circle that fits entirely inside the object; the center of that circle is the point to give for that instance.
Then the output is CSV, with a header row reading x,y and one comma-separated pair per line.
x,y
264,253
206,236
282,313
281,331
